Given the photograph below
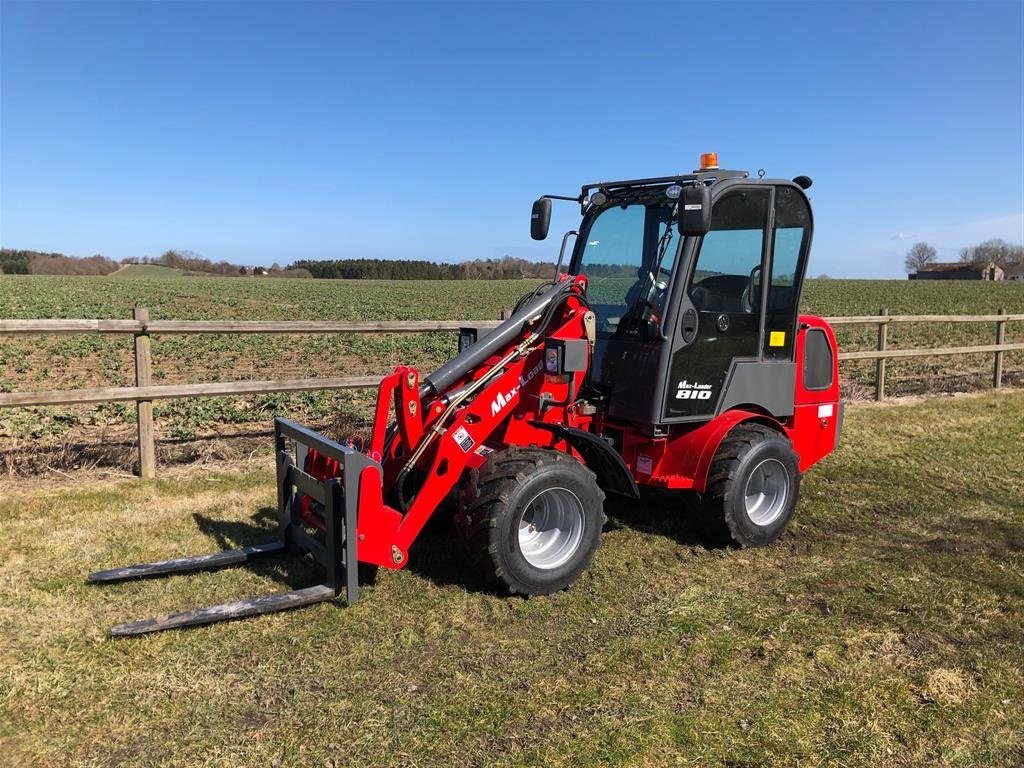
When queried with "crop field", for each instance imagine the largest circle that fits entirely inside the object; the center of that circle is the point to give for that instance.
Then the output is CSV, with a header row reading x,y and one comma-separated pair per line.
x,y
70,362
885,630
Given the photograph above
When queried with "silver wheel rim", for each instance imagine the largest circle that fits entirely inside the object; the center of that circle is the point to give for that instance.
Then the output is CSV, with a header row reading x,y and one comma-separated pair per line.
x,y
767,493
551,528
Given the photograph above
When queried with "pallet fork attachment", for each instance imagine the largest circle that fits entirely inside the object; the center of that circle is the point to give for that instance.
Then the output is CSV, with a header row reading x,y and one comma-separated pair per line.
x,y
336,505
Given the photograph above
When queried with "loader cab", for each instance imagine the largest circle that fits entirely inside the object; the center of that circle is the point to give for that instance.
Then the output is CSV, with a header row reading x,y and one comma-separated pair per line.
x,y
689,326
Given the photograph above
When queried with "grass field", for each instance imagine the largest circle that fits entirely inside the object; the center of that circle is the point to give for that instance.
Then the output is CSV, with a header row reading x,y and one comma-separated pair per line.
x,y
885,629
70,362
146,271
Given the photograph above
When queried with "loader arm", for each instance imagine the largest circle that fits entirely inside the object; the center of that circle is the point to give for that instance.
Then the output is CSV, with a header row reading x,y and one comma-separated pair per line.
x,y
442,435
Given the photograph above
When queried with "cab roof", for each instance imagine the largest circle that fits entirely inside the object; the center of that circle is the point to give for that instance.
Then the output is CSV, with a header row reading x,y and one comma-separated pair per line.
x,y
687,178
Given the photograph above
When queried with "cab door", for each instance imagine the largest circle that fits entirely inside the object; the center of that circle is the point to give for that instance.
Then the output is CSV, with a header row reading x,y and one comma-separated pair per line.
x,y
720,321
735,343
791,242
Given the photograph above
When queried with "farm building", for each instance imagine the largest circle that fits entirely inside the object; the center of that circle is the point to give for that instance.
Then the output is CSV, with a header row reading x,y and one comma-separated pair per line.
x,y
945,270
1014,272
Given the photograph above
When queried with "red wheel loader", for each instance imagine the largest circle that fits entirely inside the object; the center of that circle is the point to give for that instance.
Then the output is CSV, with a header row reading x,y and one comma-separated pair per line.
x,y
670,354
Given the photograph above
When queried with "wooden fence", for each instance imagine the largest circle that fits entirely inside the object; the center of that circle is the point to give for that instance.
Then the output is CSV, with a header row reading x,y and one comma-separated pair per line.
x,y
145,392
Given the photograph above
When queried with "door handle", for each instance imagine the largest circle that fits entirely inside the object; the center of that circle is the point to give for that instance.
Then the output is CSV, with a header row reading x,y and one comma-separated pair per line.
x,y
689,325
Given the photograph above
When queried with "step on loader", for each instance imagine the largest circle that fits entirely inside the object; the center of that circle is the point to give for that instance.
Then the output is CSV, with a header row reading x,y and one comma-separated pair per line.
x,y
669,354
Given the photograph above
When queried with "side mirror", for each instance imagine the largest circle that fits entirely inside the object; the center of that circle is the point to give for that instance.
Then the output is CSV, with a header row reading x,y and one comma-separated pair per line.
x,y
695,210
540,218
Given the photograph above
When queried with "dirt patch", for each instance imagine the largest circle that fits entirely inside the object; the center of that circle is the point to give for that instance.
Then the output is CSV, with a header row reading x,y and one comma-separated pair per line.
x,y
867,401
947,686
971,546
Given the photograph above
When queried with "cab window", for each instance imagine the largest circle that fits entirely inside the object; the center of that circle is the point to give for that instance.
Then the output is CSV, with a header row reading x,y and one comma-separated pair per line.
x,y
727,277
792,230
621,259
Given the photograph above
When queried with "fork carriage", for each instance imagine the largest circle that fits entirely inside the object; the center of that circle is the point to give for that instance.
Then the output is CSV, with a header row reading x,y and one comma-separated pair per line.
x,y
314,516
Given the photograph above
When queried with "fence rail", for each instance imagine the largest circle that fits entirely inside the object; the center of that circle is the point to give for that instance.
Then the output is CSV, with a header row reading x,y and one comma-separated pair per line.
x,y
151,327
145,392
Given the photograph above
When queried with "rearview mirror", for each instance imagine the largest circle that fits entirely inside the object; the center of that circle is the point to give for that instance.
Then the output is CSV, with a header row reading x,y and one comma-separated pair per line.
x,y
695,210
540,218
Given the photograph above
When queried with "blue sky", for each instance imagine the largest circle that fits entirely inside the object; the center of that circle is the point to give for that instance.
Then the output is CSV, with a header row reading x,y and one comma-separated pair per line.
x,y
263,132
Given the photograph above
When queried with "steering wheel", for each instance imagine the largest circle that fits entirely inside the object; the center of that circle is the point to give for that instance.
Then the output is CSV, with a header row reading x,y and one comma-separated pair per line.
x,y
747,298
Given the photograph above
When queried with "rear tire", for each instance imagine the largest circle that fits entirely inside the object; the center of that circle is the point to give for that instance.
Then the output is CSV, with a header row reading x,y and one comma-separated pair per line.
x,y
753,485
531,519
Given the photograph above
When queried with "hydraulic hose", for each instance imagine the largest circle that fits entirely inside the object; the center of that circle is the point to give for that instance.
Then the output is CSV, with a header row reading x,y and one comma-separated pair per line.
x,y
455,369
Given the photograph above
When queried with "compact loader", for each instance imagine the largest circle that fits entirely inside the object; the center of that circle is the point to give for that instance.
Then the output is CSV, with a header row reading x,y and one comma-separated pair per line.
x,y
670,354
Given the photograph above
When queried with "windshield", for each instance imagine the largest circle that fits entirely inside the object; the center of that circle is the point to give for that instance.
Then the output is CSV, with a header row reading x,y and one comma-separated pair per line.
x,y
620,258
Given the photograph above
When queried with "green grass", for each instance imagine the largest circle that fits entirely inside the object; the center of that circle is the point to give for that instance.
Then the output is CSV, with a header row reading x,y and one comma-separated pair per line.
x,y
885,629
146,271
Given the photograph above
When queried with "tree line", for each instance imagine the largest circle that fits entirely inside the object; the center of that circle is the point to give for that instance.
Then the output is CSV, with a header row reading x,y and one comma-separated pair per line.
x,y
193,264
507,268
14,262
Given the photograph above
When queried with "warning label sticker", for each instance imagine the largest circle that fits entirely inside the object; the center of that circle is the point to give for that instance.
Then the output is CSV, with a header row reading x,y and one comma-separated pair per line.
x,y
464,439
777,339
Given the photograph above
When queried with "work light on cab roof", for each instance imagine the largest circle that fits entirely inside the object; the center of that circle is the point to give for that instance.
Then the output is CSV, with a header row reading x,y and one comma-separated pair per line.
x,y
671,354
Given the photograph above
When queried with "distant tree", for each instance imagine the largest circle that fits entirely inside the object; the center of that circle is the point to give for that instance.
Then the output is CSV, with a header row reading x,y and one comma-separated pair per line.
x,y
997,251
919,256
14,262
823,276
171,259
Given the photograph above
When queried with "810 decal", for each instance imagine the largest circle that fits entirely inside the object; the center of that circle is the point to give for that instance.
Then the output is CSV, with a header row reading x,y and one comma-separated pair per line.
x,y
693,391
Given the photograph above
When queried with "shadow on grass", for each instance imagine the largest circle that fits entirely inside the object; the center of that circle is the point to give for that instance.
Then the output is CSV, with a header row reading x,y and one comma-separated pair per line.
x,y
296,571
438,554
674,515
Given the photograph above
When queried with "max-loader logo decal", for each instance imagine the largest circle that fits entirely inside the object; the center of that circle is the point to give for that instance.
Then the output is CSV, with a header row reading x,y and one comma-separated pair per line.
x,y
504,398
693,391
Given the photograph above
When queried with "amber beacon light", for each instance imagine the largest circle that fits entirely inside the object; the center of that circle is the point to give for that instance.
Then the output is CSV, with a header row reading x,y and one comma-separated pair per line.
x,y
709,161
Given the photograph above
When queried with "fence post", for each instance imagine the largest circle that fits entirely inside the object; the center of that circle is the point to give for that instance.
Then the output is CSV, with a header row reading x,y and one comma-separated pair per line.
x,y
997,374
883,335
144,408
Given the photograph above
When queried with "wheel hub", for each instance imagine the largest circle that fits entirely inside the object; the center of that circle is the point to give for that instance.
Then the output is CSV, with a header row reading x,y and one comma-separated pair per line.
x,y
767,493
551,528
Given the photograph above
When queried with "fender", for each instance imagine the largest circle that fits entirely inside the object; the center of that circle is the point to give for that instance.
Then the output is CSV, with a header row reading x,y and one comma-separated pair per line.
x,y
688,457
722,426
612,472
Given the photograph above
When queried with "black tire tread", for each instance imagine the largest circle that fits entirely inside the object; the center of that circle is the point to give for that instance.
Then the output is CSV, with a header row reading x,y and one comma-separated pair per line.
x,y
737,444
490,489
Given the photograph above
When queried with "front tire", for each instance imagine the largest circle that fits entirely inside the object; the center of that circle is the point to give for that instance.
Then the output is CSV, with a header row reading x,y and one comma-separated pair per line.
x,y
531,519
753,485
